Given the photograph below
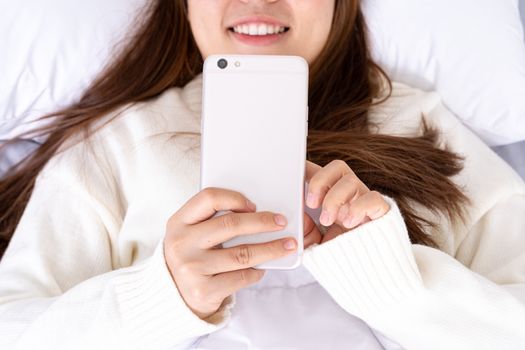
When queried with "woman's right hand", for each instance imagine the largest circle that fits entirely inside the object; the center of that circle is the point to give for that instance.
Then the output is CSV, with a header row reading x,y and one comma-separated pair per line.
x,y
205,274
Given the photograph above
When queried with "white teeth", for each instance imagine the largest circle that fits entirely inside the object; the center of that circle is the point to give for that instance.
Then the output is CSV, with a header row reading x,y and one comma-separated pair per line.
x,y
258,29
263,29
253,29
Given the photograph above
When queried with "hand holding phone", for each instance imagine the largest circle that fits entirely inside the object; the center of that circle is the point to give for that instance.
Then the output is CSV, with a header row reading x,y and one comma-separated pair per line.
x,y
205,275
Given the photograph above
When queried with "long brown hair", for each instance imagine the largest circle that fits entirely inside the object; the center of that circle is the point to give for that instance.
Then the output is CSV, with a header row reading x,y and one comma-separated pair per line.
x,y
344,81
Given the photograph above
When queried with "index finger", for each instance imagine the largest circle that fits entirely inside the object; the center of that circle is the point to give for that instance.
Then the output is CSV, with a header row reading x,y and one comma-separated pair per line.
x,y
310,170
209,201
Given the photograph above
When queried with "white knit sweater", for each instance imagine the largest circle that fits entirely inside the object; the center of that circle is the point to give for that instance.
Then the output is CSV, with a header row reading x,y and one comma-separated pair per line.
x,y
85,268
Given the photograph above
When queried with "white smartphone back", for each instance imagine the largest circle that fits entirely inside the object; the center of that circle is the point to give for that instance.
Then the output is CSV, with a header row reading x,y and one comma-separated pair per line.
x,y
253,139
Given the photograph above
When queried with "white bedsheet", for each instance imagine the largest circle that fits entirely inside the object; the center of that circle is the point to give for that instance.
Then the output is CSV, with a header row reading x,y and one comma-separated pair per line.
x,y
514,154
14,153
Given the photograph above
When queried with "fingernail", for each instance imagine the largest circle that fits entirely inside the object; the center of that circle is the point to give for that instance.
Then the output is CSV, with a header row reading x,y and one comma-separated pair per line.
x,y
349,222
311,199
279,220
325,217
289,244
250,204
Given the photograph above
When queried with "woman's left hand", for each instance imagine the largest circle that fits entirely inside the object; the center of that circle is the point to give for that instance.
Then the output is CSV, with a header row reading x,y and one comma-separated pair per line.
x,y
346,201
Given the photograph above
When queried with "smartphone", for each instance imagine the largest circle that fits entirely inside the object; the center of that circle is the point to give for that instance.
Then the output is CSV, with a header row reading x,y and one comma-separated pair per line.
x,y
254,127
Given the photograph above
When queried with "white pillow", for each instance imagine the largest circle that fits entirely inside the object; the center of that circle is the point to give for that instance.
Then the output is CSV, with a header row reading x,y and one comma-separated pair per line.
x,y
471,51
51,50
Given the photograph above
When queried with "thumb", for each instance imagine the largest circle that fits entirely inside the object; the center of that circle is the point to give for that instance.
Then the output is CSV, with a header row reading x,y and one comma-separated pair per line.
x,y
311,232
309,224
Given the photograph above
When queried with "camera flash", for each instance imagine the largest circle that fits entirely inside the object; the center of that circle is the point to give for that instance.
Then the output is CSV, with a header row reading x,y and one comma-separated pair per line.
x,y
237,64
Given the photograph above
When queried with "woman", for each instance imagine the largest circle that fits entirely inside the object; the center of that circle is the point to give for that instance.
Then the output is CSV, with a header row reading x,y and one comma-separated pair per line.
x,y
113,246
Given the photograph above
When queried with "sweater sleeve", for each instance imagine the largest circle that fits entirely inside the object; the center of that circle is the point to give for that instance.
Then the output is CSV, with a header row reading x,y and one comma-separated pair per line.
x,y
424,298
59,288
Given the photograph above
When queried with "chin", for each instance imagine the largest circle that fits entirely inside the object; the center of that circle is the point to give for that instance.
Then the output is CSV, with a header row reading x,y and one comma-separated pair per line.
x,y
258,50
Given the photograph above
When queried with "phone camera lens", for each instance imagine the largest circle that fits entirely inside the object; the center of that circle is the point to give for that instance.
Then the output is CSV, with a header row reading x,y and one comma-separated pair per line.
x,y
222,63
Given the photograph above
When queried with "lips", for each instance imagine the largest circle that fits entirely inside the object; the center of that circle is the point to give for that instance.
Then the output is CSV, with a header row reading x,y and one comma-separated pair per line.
x,y
258,30
258,25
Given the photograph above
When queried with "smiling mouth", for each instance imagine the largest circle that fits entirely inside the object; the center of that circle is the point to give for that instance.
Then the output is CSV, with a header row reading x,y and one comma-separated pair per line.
x,y
259,29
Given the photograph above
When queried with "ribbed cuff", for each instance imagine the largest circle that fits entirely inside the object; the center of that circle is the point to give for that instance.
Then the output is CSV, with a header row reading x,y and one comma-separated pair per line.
x,y
153,312
368,268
